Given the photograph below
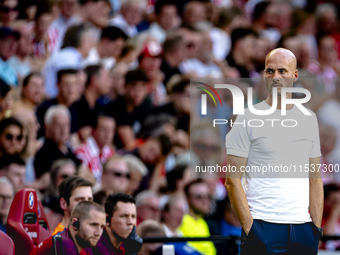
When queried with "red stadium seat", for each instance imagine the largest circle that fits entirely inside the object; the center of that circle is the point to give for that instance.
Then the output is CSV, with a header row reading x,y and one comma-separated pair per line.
x,y
42,217
7,247
23,224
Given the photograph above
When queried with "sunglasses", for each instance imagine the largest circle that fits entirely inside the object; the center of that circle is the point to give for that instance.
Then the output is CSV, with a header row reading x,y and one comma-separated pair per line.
x,y
5,9
11,137
118,174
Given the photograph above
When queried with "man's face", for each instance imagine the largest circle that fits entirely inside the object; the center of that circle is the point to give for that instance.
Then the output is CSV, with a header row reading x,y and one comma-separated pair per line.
x,y
124,219
150,65
149,210
247,46
12,140
116,176
199,199
68,88
175,214
6,198
9,11
168,17
114,47
34,91
25,45
16,174
80,194
132,13
280,71
65,172
151,151
8,47
136,93
104,131
69,8
59,129
103,82
91,229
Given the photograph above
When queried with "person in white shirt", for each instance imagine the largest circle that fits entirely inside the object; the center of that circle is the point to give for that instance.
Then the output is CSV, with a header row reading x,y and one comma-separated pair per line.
x,y
280,211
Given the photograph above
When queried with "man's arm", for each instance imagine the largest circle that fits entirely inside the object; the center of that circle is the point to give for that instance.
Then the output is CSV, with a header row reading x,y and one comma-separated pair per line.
x,y
315,192
236,193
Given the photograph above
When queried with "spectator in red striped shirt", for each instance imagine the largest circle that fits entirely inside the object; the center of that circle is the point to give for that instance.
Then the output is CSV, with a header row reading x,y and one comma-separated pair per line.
x,y
98,148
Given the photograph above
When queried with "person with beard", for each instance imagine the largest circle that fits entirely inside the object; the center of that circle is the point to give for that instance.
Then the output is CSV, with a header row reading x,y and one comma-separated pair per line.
x,y
85,228
119,236
193,223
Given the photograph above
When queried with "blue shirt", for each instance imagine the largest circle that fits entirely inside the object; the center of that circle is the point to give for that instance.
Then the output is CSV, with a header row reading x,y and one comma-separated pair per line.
x,y
8,73
2,227
229,230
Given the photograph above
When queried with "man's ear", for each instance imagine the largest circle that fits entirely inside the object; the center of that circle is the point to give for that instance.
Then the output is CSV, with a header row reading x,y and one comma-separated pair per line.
x,y
63,204
296,75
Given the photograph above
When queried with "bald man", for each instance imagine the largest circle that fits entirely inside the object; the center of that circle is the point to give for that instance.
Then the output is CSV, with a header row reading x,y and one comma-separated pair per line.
x,y
280,210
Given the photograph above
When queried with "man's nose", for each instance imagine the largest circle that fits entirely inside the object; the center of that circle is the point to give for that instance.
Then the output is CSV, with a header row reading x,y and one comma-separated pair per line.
x,y
276,75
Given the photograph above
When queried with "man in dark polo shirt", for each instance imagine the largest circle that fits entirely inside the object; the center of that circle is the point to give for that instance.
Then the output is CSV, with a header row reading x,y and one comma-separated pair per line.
x,y
86,226
120,237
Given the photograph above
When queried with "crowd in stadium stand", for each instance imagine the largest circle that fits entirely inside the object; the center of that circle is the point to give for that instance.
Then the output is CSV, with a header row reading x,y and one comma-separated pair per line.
x,y
100,89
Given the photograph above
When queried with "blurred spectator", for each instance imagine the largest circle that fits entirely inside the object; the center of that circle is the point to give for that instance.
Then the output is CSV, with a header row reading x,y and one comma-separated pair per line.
x,y
243,52
150,228
167,19
12,140
177,179
9,12
6,99
173,54
115,176
6,194
13,168
130,15
172,215
97,149
77,43
57,129
71,191
194,12
137,170
21,61
193,224
148,207
118,80
150,62
98,84
45,37
119,237
67,95
66,18
8,47
33,90
108,48
133,108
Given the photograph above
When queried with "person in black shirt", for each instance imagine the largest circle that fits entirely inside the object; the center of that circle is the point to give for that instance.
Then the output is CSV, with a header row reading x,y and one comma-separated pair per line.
x,y
98,84
57,129
130,110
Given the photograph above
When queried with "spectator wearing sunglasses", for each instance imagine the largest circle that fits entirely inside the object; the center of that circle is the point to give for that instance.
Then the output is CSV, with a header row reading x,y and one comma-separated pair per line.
x,y
9,11
116,175
14,169
12,140
193,224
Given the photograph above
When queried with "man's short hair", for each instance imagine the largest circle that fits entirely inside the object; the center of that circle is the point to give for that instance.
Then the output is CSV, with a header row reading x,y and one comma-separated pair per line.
x,y
67,187
260,9
63,72
83,2
74,35
133,76
239,34
102,114
82,210
6,161
92,71
161,3
113,33
144,195
174,175
9,122
58,164
150,228
5,180
172,43
112,201
54,111
166,144
191,183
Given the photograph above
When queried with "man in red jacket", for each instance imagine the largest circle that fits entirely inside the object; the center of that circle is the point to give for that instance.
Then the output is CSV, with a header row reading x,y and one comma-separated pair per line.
x,y
85,228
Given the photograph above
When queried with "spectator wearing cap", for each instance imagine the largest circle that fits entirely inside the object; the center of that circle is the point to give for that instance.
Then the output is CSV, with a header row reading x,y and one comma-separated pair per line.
x,y
108,48
66,19
97,149
77,43
8,47
9,12
21,61
131,15
166,19
98,84
148,206
13,168
150,62
243,52
173,54
7,194
133,107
